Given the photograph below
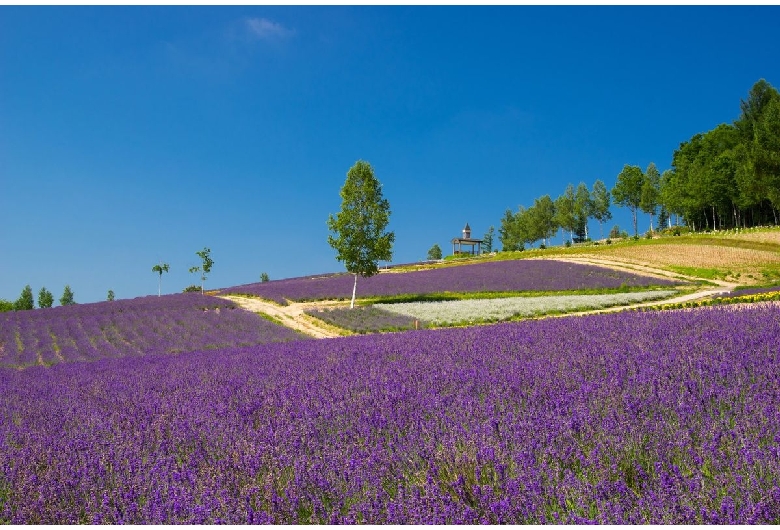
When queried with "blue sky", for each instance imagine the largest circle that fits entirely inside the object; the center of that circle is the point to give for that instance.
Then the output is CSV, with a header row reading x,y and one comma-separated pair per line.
x,y
130,135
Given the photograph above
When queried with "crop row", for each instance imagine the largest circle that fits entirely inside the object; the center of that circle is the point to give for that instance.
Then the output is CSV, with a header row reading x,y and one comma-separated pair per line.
x,y
491,310
142,326
366,319
510,275
658,417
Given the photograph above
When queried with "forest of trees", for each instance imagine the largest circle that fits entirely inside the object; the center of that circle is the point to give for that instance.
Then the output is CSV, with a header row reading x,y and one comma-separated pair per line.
x,y
726,178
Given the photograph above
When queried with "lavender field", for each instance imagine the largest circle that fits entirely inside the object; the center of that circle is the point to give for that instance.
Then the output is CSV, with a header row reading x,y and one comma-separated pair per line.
x,y
659,417
504,276
141,326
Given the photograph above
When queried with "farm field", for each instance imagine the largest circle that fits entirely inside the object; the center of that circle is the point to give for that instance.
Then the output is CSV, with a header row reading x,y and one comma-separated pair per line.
x,y
657,417
746,257
492,276
141,326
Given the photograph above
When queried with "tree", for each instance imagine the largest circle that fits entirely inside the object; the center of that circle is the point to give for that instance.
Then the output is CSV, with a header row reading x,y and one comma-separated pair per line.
x,y
564,211
487,240
264,277
583,210
434,252
205,267
600,200
6,305
358,230
45,298
160,268
67,297
651,191
25,301
507,232
110,296
543,219
628,190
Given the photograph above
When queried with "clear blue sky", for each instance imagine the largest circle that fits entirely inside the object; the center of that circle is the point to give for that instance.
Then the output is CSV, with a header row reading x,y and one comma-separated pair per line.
x,y
130,135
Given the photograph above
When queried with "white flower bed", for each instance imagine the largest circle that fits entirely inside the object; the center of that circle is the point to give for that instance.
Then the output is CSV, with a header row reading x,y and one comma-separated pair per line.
x,y
493,309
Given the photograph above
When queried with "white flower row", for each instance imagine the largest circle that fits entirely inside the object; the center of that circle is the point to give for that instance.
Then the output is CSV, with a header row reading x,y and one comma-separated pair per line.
x,y
492,309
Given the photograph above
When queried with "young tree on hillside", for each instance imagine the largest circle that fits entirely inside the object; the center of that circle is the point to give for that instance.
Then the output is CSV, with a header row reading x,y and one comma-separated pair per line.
x,y
565,211
651,190
160,268
583,211
110,296
434,252
507,232
264,277
45,298
628,190
487,240
25,301
358,230
542,221
205,266
600,200
67,297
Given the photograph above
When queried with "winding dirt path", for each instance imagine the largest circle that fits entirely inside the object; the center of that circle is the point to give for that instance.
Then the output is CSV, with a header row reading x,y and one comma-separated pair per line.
x,y
293,315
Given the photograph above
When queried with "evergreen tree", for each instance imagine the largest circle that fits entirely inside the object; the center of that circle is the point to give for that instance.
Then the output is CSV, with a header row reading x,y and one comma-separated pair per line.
x,y
487,240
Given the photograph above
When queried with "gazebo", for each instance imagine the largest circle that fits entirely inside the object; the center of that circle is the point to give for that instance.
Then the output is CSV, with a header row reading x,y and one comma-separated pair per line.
x,y
466,241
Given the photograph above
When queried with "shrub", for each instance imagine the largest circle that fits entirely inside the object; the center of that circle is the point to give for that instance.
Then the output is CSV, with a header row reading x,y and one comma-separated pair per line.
x,y
191,289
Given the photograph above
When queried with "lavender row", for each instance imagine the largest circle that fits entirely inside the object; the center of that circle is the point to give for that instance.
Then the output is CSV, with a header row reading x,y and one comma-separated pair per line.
x,y
747,292
662,417
167,324
366,319
510,275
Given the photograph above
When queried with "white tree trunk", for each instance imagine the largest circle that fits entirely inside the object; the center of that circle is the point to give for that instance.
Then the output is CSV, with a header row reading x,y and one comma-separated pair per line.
x,y
354,288
159,285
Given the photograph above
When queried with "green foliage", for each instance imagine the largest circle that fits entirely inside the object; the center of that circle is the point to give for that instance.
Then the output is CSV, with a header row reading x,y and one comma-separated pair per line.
x,y
358,230
264,277
600,201
615,233
191,289
628,190
651,190
25,301
6,305
110,296
67,297
565,211
434,253
205,267
487,240
160,268
45,298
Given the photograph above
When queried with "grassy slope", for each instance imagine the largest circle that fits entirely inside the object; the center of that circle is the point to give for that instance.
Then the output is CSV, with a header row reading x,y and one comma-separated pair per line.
x,y
749,257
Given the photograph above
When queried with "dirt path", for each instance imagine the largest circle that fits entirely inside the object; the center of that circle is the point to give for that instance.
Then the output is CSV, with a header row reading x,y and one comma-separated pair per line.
x,y
645,270
292,315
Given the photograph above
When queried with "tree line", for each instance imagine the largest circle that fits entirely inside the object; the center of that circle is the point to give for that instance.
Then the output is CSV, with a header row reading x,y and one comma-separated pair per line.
x,y
726,178
26,301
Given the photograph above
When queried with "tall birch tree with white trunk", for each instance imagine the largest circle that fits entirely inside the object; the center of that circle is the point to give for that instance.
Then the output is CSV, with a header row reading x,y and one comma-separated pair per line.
x,y
358,230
